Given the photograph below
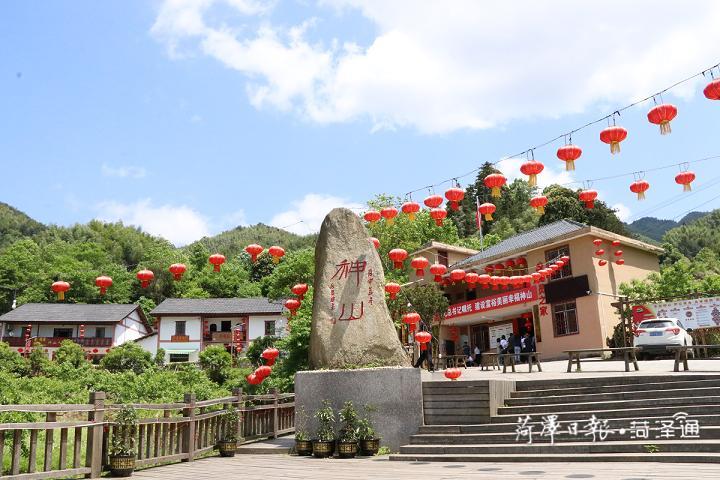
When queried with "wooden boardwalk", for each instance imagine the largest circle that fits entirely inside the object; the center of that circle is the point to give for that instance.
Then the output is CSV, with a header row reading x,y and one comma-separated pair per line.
x,y
285,466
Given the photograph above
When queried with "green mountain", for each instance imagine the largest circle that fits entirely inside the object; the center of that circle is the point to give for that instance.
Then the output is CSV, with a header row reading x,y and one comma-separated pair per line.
x,y
696,235
15,225
233,242
656,228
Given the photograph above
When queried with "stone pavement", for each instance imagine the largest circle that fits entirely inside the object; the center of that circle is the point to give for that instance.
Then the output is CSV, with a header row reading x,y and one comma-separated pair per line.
x,y
285,466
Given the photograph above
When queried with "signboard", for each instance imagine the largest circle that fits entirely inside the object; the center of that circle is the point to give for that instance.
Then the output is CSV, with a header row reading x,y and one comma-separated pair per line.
x,y
352,276
694,313
493,302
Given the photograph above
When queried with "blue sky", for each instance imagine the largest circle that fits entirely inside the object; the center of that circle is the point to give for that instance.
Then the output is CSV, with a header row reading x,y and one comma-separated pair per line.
x,y
189,117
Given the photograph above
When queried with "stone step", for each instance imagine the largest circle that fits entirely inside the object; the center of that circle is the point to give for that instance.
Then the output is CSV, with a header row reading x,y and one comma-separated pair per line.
x,y
569,448
462,404
672,457
610,405
620,433
606,412
438,419
666,385
459,384
604,397
563,383
704,420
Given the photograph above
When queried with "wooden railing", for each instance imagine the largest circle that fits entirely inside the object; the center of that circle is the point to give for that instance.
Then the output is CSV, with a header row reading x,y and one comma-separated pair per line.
x,y
170,432
56,341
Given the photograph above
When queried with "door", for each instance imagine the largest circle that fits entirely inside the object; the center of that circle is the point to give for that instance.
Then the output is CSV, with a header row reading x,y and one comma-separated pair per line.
x,y
480,337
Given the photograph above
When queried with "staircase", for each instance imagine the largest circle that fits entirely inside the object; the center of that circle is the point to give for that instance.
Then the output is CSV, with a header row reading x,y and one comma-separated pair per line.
x,y
461,424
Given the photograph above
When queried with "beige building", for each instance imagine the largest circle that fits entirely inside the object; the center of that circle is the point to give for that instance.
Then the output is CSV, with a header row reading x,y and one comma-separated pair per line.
x,y
570,310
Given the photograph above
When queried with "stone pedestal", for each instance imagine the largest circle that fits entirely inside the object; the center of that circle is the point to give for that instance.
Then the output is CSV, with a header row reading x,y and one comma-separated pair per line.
x,y
396,393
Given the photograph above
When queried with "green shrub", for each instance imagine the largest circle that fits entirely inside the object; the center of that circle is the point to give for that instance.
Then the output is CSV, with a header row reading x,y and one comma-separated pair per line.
x,y
349,418
256,347
128,357
159,359
12,362
39,361
216,361
70,353
366,427
326,422
125,428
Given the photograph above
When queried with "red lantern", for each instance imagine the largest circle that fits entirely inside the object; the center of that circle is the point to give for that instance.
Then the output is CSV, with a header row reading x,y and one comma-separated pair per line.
x,y
254,379
457,275
532,169
602,263
536,277
568,154
419,264
423,338
438,270
300,289
509,263
560,264
292,305
438,214
498,268
389,214
620,261
393,289
81,331
411,318
487,209
263,371
597,242
375,242
177,269
433,201
599,252
372,216
254,250
712,90
662,115
615,243
270,354
484,280
639,187
613,136
471,278
277,253
538,203
489,269
398,256
494,282
216,259
618,253
588,196
145,276
60,288
453,373
410,209
494,182
685,179
521,262
504,281
455,195
103,283
565,258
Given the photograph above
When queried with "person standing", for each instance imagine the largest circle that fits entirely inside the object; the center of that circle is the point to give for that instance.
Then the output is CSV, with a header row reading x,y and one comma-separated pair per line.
x,y
516,346
504,347
425,355
478,356
498,348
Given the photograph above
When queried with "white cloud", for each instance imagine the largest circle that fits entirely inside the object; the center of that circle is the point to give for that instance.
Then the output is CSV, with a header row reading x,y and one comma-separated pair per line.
x,y
179,224
127,171
306,215
551,174
439,67
622,211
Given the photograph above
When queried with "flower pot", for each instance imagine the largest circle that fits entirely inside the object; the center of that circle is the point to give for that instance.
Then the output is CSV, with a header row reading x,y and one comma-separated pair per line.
x,y
369,446
304,448
323,449
122,465
227,448
347,449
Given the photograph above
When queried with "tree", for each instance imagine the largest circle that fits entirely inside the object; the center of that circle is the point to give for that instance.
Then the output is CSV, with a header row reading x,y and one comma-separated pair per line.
x,y
563,203
426,300
70,353
216,362
38,361
690,239
12,362
297,267
257,346
127,357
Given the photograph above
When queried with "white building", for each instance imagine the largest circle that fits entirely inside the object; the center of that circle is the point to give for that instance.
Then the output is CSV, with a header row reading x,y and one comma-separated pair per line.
x,y
96,327
186,326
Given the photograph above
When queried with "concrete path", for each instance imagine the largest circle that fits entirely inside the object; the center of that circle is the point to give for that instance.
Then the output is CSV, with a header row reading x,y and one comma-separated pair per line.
x,y
285,466
281,445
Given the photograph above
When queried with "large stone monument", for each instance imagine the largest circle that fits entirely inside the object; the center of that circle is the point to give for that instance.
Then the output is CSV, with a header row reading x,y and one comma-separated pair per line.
x,y
351,325
351,329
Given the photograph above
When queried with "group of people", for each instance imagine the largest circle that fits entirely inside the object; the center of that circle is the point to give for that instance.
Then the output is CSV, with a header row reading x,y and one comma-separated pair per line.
x,y
516,344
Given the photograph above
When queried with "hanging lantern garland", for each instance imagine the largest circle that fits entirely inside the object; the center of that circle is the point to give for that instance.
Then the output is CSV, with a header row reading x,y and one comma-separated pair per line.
x,y
410,209
568,154
662,115
103,283
539,203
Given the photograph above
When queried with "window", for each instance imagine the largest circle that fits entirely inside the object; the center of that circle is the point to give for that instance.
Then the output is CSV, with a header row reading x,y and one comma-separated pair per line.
x,y
555,254
269,328
225,325
179,357
442,257
99,332
62,332
180,327
565,319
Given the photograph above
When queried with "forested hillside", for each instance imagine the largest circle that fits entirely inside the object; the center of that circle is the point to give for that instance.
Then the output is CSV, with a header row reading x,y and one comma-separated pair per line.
x,y
656,228
15,225
232,242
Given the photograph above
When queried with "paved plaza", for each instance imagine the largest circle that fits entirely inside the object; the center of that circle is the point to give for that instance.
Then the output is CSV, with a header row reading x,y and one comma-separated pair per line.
x,y
286,466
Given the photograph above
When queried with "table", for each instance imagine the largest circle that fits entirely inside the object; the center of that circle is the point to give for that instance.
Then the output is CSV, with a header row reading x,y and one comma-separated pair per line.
x,y
455,361
629,354
533,357
681,354
489,359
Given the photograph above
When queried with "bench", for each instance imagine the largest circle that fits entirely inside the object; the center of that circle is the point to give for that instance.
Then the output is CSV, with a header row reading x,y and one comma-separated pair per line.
x,y
489,359
681,353
629,354
455,361
533,357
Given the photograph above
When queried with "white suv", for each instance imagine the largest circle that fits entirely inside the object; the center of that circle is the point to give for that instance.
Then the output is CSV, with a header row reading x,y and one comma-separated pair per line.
x,y
655,335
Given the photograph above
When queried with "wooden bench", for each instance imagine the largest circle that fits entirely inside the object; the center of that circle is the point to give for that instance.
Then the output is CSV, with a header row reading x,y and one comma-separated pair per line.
x,y
629,354
681,353
533,357
455,361
489,359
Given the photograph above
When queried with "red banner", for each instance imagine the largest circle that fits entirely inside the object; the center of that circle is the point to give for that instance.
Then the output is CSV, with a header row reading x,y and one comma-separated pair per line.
x,y
493,302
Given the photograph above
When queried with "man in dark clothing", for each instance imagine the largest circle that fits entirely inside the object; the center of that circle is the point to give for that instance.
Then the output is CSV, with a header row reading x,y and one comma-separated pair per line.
x,y
425,355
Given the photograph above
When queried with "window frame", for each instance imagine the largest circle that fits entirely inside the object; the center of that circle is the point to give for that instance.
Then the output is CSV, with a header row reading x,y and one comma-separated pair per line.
x,y
563,308
442,258
274,326
558,252
172,358
178,333
69,331
99,330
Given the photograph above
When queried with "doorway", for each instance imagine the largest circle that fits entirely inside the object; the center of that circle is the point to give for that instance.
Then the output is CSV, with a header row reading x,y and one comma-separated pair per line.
x,y
480,336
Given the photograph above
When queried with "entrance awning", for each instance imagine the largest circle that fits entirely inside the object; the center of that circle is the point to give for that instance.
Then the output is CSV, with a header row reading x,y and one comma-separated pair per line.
x,y
491,316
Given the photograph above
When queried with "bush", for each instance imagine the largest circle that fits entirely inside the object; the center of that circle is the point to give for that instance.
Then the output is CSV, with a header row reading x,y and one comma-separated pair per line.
x,y
12,362
127,357
326,422
39,361
256,348
123,439
216,361
70,353
159,359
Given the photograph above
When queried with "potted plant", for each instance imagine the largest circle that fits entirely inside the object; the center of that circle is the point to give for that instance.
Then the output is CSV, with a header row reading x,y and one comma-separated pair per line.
x,y
122,448
347,440
228,440
303,445
369,441
324,443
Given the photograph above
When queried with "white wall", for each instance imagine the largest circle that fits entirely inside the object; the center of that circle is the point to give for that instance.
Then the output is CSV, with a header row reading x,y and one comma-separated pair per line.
x,y
149,344
131,328
257,325
193,328
234,321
